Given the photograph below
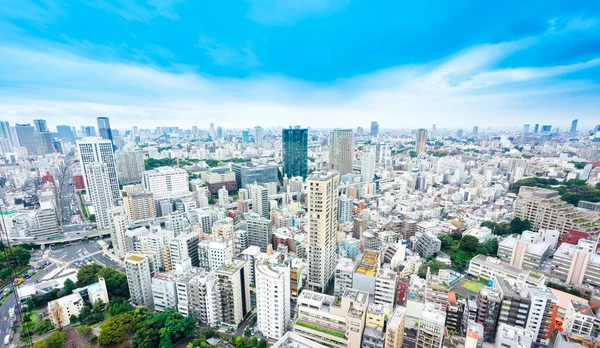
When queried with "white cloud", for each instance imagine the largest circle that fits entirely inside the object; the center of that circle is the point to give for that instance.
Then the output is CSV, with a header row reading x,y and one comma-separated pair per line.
x,y
463,90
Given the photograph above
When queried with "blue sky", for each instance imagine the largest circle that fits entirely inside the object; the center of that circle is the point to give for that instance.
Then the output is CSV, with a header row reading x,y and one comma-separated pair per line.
x,y
318,63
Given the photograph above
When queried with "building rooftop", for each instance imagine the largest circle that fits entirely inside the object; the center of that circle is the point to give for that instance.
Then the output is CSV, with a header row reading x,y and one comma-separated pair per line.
x,y
369,264
397,317
293,340
432,313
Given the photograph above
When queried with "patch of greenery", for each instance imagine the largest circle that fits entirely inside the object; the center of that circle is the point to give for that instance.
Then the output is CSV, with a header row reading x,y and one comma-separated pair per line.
x,y
571,191
320,329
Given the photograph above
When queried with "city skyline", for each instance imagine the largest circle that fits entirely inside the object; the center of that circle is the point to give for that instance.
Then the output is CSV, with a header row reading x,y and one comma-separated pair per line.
x,y
279,62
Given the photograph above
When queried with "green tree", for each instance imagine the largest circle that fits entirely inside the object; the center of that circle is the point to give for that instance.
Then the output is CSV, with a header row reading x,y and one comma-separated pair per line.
x,y
518,226
468,244
39,344
119,305
43,326
83,329
20,255
6,273
262,344
73,319
88,275
115,329
56,340
254,342
68,287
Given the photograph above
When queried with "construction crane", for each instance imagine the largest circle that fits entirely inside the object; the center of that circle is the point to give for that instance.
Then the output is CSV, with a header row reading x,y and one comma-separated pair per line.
x,y
558,324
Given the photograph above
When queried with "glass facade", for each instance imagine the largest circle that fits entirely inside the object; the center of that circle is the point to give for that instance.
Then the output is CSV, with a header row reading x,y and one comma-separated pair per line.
x,y
295,152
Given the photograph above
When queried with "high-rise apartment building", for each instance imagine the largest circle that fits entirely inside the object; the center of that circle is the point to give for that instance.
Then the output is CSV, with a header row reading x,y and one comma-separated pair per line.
x,y
139,268
367,167
260,232
335,322
542,314
260,201
488,308
130,166
272,298
394,334
98,150
322,205
99,190
341,150
184,246
515,302
430,333
234,292
294,143
345,206
420,140
139,204
118,226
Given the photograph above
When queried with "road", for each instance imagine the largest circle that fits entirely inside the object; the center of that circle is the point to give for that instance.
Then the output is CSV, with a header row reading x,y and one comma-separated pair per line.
x,y
5,323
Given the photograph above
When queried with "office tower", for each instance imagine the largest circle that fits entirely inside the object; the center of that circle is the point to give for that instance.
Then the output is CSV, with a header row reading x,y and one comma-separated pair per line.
x,y
420,140
367,167
333,322
260,201
139,205
433,129
272,299
546,129
99,191
89,131
341,150
574,127
345,206
526,129
184,246
219,132
98,150
430,333
252,173
44,142
130,166
322,228
26,138
259,230
118,226
65,133
475,130
166,182
488,304
294,143
211,130
40,125
234,294
258,136
139,268
5,133
195,131
374,128
394,334
542,314
360,131
245,136
223,197
536,128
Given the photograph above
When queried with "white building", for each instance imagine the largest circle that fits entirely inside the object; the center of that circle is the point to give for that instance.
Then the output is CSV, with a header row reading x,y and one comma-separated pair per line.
x,y
367,167
345,208
62,309
98,150
259,229
139,268
513,337
260,200
215,253
99,191
118,227
166,182
130,166
164,292
272,299
343,275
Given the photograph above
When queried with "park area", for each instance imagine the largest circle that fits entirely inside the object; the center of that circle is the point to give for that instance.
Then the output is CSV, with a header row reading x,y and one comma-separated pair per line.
x,y
473,286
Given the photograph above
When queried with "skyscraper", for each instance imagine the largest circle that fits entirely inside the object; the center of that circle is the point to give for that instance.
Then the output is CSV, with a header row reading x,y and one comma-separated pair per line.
x,y
574,127
65,133
367,167
374,128
260,200
94,149
26,138
99,190
219,132
420,140
5,133
130,166
40,125
322,206
259,230
341,150
475,130
546,129
526,128
536,128
245,136
258,136
44,142
211,129
104,129
295,152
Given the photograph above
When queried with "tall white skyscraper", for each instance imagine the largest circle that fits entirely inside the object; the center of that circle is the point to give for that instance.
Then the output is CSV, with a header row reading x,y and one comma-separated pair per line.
x,y
260,200
272,299
322,206
99,190
367,167
95,149
118,226
139,268
341,150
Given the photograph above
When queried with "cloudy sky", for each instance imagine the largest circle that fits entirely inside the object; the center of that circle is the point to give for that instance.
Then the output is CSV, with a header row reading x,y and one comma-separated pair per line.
x,y
318,63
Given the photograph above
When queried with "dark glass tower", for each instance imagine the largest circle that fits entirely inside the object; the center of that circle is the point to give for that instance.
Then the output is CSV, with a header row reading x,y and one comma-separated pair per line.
x,y
295,152
104,128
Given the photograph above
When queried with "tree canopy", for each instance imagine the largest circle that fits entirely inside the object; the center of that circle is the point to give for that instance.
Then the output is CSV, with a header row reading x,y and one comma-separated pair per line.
x,y
571,191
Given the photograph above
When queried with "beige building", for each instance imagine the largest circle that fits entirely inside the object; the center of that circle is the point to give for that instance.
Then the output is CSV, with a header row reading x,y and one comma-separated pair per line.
x,y
576,264
223,228
394,334
321,225
331,321
545,210
523,254
341,151
139,205
420,140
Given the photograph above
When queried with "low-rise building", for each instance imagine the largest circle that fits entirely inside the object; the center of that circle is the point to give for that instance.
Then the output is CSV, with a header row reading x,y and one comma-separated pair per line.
x,y
490,267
